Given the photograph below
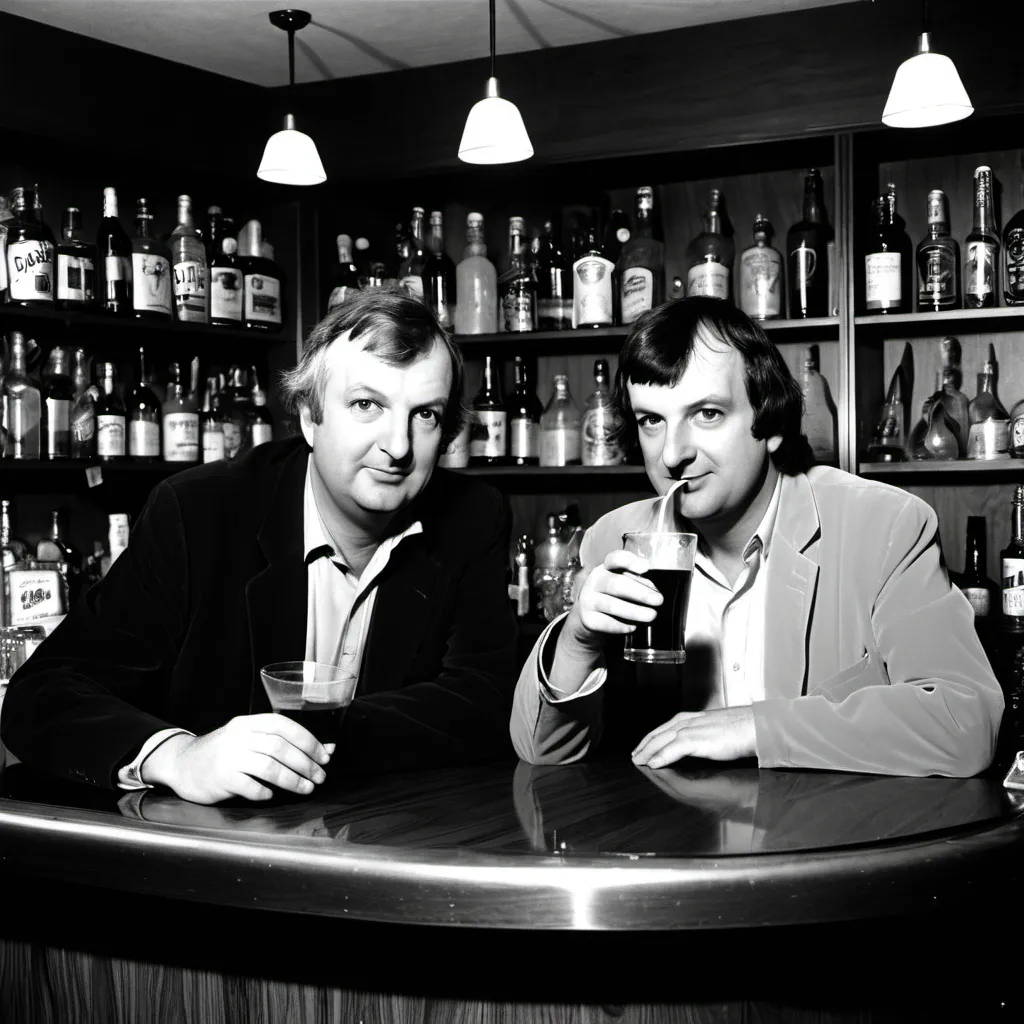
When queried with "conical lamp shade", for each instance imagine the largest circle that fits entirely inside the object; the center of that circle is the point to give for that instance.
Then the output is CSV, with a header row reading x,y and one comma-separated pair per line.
x,y
290,158
494,132
926,91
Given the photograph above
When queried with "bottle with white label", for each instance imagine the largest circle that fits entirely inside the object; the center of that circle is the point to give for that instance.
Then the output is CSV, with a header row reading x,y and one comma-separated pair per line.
x,y
143,416
211,423
524,420
988,437
981,263
262,428
226,285
887,260
22,405
57,396
188,263
710,255
110,415
601,444
488,437
152,296
263,281
76,264
30,254
410,269
560,439
642,262
760,285
114,252
974,583
593,284
180,419
517,287
1012,559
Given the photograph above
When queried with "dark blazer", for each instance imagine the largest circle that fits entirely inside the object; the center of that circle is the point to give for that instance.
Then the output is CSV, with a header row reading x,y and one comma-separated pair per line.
x,y
212,586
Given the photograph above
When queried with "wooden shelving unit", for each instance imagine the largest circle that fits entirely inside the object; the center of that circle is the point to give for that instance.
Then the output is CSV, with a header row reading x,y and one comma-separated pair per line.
x,y
933,467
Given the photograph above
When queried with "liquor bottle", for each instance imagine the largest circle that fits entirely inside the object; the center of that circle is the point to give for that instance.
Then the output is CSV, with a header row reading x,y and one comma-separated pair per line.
x,y
553,274
22,405
886,443
520,591
57,548
114,252
550,562
262,279
410,269
345,279
143,415
226,285
955,402
886,260
188,262
1012,561
981,273
76,264
616,235
439,275
593,285
117,536
517,289
524,412
807,241
988,435
820,421
180,419
600,445
110,415
262,429
57,396
83,409
934,436
151,269
709,256
761,289
488,438
560,427
236,413
211,425
30,253
476,284
938,260
974,583
1013,255
216,228
13,551
642,262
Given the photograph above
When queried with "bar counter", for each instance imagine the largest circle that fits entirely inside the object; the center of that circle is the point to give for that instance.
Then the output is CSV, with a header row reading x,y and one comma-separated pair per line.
x,y
523,866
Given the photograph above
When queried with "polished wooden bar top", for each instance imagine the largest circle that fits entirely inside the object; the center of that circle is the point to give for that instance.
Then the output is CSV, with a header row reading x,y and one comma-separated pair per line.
x,y
586,846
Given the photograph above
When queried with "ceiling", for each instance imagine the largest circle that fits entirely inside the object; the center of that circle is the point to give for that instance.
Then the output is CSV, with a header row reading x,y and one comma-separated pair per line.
x,y
359,37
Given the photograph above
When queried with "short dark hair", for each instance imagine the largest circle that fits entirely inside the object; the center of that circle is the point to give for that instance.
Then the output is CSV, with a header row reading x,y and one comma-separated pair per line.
x,y
401,328
660,345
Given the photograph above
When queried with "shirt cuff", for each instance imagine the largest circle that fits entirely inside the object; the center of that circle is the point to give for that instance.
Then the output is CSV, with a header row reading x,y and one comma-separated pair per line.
x,y
130,776
552,694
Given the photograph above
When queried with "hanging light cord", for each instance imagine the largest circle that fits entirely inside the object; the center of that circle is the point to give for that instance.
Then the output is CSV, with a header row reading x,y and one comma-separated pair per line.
x,y
492,37
291,59
924,15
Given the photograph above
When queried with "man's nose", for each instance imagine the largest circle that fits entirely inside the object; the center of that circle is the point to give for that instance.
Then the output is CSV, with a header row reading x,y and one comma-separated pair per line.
x,y
679,449
396,438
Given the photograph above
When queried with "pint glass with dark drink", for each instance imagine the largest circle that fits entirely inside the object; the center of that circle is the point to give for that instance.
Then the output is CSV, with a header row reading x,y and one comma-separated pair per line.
x,y
310,693
661,642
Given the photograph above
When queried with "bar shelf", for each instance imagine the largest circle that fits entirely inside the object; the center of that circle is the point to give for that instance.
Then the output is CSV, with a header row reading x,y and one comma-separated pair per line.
x,y
943,467
901,325
552,473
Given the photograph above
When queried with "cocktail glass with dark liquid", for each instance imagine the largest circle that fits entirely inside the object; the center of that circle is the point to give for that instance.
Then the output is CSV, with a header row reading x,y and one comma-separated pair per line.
x,y
311,693
661,642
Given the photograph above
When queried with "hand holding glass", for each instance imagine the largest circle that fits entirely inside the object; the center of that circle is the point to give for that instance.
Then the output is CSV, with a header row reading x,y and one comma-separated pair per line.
x,y
671,558
311,693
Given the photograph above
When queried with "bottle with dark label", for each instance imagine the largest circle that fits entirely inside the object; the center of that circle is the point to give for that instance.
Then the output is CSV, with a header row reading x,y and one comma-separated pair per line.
x,y
517,288
981,260
988,436
642,262
1013,255
710,255
57,396
83,409
180,418
215,231
560,433
152,297
22,405
553,273
1012,561
211,424
410,269
807,269
488,438
593,284
439,275
236,413
226,285
974,583
143,415
76,264
30,253
524,412
262,281
938,260
114,250
110,415
57,548
887,260
955,402
262,429
761,275
600,442
476,283
345,280
188,263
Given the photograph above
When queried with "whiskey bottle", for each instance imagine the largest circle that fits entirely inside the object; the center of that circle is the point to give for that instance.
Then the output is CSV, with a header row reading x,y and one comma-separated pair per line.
x,y
143,416
974,582
210,422
345,280
600,444
83,409
226,285
517,288
981,285
263,281
989,421
180,419
1012,562
76,264
152,297
1013,254
110,415
188,263
22,405
410,269
710,255
642,262
524,412
807,242
114,251
761,292
439,275
560,427
938,260
820,421
488,438
262,428
30,253
57,395
593,285
886,260
476,284
237,413
955,402
553,274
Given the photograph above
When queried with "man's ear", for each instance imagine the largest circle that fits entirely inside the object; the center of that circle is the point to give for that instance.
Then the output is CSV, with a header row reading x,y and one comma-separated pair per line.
x,y
773,444
306,423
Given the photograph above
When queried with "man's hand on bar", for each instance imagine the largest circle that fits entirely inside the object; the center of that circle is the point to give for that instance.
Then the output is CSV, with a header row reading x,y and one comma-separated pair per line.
x,y
724,734
241,758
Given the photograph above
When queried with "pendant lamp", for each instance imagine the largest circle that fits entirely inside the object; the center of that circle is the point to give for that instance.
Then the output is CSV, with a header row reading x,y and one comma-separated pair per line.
x,y
927,89
494,132
290,157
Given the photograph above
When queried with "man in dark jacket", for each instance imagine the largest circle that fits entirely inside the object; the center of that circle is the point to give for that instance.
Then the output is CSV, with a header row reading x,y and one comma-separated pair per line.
x,y
344,546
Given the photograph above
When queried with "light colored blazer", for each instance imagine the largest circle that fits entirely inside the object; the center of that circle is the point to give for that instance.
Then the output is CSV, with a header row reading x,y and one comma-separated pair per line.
x,y
871,662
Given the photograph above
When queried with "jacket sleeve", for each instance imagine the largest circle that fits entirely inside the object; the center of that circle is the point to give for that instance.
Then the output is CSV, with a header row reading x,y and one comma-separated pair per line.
x,y
923,701
462,714
93,691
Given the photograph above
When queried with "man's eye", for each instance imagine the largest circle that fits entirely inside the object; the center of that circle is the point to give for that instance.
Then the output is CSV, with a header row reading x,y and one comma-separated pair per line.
x,y
648,421
709,415
429,415
363,404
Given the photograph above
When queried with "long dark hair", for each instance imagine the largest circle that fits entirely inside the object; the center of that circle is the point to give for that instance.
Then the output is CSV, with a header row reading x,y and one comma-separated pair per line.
x,y
659,348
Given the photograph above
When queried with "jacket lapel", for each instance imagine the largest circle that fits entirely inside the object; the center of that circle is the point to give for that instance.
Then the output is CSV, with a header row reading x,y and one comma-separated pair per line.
x,y
791,584
275,597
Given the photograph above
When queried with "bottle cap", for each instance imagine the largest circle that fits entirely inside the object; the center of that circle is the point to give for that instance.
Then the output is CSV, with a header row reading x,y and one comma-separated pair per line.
x,y
362,244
